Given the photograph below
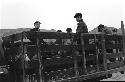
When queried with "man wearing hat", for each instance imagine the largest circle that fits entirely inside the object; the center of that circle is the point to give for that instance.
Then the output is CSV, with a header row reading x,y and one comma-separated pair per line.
x,y
31,35
81,27
69,30
37,26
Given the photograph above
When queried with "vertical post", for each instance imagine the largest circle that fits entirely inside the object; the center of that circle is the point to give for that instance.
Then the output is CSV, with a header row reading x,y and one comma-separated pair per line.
x,y
75,63
23,62
123,39
83,53
97,57
39,59
104,52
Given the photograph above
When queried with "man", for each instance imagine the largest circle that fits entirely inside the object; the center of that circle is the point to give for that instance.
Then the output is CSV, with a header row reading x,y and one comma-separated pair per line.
x,y
37,26
104,30
68,41
32,36
81,27
59,41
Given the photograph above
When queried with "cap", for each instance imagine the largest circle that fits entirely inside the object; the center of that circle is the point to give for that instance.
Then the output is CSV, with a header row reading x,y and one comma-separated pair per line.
x,y
68,29
100,27
78,15
59,31
37,22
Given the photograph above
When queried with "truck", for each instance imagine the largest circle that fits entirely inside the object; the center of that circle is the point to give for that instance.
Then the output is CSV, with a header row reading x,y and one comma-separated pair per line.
x,y
52,62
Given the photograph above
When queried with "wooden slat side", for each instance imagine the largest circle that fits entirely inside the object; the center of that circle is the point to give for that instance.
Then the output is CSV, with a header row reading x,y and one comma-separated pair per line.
x,y
123,39
104,53
114,55
55,35
115,65
93,75
97,57
83,54
56,47
113,37
113,46
98,36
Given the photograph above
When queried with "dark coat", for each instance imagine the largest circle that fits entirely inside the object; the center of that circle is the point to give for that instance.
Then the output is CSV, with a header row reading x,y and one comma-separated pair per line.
x,y
81,27
32,35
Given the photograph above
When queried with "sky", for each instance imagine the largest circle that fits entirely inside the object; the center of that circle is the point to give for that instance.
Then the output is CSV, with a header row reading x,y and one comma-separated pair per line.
x,y
59,14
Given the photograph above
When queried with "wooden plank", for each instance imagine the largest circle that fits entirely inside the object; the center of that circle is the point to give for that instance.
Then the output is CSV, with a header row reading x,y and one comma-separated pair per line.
x,y
75,63
91,58
58,61
98,36
55,35
66,47
90,36
65,60
97,57
83,54
109,46
17,36
7,38
23,54
115,64
113,46
78,47
114,55
104,53
123,39
13,37
93,75
56,47
113,37
40,61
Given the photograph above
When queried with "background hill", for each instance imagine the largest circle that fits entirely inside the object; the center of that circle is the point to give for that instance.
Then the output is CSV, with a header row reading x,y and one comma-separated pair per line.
x,y
5,32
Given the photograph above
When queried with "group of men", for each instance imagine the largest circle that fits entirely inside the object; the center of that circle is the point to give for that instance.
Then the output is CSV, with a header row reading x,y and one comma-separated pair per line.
x,y
81,27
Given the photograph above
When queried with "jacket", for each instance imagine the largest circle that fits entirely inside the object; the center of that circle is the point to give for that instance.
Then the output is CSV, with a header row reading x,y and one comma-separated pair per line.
x,y
81,27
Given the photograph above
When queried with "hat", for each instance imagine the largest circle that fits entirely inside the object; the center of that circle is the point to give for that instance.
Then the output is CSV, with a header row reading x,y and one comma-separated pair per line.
x,y
78,15
100,27
68,29
59,31
37,22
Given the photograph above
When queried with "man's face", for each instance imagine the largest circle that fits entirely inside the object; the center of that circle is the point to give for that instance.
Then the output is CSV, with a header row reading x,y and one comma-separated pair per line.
x,y
37,25
78,19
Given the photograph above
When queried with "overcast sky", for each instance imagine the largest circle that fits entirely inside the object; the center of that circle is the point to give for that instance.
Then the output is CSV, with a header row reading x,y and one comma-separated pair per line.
x,y
58,14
